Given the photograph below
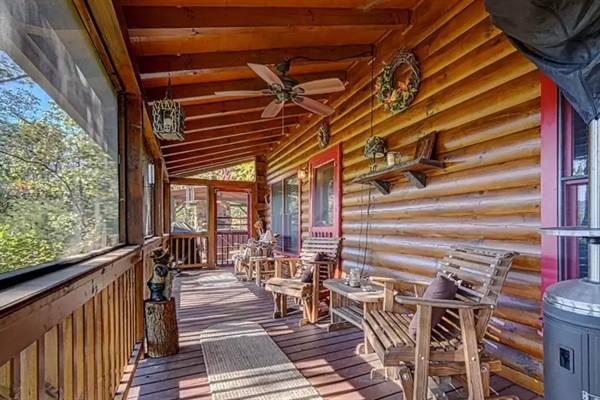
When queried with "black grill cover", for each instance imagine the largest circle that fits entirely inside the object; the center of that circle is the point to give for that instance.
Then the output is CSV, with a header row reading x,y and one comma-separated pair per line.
x,y
561,37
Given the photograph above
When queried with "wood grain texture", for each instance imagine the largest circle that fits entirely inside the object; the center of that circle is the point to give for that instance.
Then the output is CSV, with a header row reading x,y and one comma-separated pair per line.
x,y
482,98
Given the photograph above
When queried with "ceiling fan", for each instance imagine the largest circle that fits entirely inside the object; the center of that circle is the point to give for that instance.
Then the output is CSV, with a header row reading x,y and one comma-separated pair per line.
x,y
285,88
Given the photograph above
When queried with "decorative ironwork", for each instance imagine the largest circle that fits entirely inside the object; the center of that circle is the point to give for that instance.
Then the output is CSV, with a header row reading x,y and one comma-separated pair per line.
x,y
168,118
324,135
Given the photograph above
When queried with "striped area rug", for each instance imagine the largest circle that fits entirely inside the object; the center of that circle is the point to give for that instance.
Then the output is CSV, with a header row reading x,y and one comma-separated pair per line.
x,y
243,362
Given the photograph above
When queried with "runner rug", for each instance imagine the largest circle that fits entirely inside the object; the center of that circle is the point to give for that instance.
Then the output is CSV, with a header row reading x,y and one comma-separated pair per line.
x,y
243,362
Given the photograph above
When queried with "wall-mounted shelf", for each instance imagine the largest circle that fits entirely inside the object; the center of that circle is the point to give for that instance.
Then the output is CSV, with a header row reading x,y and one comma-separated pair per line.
x,y
414,171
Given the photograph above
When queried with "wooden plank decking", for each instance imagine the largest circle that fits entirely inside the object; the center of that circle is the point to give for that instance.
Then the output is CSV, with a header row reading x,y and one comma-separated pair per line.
x,y
327,360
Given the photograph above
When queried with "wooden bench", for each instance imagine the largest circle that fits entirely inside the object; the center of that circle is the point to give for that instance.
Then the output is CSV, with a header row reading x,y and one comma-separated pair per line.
x,y
453,346
286,281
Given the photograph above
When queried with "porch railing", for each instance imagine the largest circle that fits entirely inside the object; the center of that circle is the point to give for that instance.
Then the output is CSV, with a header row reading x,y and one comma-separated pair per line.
x,y
227,244
75,333
190,249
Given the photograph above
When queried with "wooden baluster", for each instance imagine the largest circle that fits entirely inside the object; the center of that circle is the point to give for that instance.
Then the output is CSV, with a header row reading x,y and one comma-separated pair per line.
x,y
10,379
90,349
30,372
51,364
79,368
114,379
99,344
139,301
122,323
66,369
105,346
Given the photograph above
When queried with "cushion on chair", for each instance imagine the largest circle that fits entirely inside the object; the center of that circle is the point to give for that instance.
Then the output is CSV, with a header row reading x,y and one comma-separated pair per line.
x,y
307,274
440,288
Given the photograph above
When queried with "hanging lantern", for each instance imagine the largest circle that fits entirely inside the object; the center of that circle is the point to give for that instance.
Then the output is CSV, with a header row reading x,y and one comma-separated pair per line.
x,y
374,149
168,118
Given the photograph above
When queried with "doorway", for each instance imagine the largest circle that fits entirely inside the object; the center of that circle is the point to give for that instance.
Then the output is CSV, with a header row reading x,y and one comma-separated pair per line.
x,y
232,223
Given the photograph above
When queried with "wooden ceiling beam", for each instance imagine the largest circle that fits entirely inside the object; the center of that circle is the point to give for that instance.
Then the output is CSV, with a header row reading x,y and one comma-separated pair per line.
x,y
190,62
180,92
202,137
209,110
250,137
274,3
262,17
216,152
225,157
206,124
214,167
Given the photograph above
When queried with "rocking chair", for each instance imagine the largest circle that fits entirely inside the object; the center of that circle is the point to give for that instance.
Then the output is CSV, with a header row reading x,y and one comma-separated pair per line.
x,y
288,271
452,347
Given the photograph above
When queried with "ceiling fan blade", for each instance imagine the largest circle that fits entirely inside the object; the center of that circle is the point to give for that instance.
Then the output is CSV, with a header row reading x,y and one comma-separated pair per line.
x,y
313,106
272,109
244,93
266,74
320,86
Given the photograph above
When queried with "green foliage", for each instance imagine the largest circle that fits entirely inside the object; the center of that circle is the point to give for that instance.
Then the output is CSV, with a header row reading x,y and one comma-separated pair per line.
x,y
240,172
58,187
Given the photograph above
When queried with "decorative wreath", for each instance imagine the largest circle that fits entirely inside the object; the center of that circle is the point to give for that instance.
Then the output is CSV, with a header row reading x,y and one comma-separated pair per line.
x,y
396,99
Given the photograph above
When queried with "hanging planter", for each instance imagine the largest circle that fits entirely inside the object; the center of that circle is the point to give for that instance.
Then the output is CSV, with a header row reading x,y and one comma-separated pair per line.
x,y
396,97
168,118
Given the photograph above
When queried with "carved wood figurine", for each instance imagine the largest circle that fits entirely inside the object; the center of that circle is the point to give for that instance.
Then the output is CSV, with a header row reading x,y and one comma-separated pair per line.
x,y
161,280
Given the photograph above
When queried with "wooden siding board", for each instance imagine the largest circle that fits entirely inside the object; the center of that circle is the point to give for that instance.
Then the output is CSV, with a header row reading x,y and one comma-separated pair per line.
x,y
483,100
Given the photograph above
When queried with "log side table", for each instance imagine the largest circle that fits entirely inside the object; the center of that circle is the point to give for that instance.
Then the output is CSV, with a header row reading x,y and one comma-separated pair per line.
x,y
345,304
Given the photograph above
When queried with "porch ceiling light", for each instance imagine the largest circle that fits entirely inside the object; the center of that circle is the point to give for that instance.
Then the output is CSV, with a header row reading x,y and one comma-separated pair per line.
x,y
168,118
374,149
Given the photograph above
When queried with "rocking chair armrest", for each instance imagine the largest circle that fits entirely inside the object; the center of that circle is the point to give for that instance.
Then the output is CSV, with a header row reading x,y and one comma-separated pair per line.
x,y
455,304
287,259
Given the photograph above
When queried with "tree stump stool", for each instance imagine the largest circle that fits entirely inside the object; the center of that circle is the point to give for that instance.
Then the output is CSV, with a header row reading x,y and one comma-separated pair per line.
x,y
162,334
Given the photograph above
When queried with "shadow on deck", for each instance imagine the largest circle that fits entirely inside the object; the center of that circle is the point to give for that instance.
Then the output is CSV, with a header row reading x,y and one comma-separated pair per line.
x,y
326,359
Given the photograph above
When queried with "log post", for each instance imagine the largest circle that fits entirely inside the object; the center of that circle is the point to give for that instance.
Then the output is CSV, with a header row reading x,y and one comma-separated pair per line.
x,y
162,334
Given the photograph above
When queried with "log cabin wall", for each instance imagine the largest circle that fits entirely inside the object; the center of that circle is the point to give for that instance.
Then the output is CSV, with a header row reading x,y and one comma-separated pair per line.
x,y
482,98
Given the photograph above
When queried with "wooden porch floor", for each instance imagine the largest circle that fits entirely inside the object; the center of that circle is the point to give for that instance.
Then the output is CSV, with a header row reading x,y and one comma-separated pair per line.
x,y
326,359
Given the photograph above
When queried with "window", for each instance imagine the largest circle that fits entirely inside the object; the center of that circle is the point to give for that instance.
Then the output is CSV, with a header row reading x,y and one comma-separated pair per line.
x,y
149,201
324,196
573,190
189,209
59,180
285,214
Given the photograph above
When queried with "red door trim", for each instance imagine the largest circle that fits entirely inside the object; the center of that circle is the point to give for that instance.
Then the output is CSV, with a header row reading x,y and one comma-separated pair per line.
x,y
549,179
335,154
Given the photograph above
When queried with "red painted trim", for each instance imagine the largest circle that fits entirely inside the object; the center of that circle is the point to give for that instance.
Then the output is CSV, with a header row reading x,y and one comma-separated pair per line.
x,y
215,217
549,179
326,156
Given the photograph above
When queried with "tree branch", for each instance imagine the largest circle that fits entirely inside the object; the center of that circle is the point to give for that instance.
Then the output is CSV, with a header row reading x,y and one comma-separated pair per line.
x,y
13,78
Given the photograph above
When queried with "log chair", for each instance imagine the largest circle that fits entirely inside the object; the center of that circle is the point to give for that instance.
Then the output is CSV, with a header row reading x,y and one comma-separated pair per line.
x,y
453,347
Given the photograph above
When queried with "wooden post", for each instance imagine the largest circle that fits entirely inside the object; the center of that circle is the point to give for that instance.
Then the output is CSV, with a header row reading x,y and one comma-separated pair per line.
x,y
212,227
158,199
167,208
162,336
134,182
139,300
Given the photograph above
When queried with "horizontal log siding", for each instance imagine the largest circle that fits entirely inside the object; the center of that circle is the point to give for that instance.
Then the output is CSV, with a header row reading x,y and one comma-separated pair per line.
x,y
482,98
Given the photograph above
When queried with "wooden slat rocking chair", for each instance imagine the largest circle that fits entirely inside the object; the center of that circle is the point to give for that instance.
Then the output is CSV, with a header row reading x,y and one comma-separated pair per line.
x,y
286,281
452,347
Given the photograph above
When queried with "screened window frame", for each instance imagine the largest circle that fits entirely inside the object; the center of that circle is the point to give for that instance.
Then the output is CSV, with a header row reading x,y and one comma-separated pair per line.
x,y
149,188
279,249
18,276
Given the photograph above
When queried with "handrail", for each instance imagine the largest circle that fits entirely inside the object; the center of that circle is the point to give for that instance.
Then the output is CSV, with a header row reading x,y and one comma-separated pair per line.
x,y
70,334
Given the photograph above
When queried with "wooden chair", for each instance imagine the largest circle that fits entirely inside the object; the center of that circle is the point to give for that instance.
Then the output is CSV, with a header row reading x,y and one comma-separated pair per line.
x,y
453,347
286,281
245,258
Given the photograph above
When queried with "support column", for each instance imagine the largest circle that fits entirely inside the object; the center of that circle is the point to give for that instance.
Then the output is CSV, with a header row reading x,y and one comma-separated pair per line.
x,y
594,198
134,190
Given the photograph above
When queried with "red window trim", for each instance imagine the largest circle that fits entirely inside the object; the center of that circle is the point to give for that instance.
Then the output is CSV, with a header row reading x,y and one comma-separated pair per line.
x,y
280,180
549,108
326,156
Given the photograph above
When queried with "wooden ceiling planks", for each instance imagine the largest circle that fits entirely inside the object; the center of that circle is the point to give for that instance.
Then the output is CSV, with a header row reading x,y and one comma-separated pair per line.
x,y
203,46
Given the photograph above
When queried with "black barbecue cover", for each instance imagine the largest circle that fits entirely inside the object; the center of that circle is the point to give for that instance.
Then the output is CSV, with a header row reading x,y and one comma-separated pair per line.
x,y
561,37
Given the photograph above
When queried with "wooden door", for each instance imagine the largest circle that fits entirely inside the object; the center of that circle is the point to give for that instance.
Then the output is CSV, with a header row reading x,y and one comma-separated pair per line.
x,y
325,193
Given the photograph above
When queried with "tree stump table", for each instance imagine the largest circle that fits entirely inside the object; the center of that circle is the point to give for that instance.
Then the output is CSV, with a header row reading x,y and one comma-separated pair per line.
x,y
162,334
